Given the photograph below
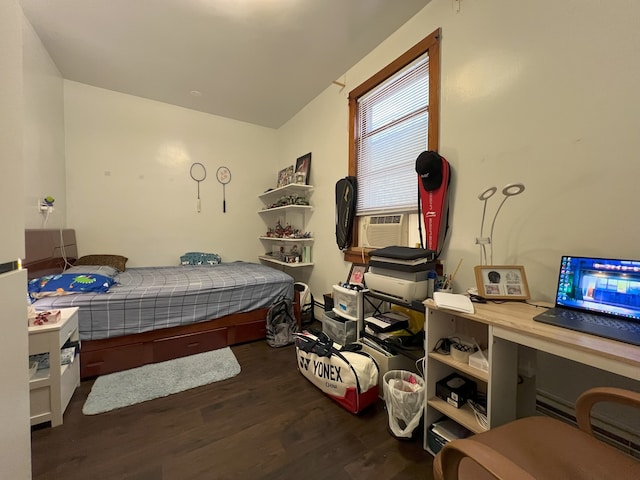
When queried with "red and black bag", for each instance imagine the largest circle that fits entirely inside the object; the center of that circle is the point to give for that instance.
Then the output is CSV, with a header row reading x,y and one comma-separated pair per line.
x,y
434,177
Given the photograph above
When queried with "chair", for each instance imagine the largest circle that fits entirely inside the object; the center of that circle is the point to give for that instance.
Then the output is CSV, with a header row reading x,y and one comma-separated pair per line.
x,y
541,448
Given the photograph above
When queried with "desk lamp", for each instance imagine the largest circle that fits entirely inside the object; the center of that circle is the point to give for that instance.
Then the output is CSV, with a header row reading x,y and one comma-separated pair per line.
x,y
510,190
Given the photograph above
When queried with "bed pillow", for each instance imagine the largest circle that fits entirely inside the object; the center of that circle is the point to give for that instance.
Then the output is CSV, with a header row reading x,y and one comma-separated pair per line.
x,y
106,270
200,258
68,284
116,261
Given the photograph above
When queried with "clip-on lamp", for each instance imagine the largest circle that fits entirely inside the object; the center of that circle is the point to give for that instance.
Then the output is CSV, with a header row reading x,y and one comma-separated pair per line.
x,y
509,190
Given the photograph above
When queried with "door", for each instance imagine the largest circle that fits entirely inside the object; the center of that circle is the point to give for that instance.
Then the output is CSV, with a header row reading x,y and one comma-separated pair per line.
x,y
15,436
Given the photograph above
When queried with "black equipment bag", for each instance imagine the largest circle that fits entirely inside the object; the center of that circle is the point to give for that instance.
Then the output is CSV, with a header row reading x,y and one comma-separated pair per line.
x,y
346,197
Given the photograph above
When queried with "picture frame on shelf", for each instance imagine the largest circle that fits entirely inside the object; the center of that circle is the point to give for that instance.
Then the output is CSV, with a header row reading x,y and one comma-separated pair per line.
x,y
289,174
356,273
502,282
285,176
303,169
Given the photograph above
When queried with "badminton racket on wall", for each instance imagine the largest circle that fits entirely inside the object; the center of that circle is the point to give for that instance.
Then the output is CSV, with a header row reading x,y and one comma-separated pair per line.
x,y
224,176
198,173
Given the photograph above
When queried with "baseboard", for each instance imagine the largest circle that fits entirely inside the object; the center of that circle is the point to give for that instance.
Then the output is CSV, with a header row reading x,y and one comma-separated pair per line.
x,y
618,436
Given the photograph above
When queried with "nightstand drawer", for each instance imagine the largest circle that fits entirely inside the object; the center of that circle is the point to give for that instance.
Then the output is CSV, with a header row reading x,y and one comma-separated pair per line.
x,y
68,328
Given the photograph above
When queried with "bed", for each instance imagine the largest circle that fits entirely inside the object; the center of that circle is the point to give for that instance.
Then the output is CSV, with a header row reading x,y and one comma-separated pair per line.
x,y
153,314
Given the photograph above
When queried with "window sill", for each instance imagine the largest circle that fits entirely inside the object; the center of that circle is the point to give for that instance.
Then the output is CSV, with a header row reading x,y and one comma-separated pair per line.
x,y
357,254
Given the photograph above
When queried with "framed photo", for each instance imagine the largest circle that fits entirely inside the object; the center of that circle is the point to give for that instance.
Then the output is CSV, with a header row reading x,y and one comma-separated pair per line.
x,y
285,176
356,274
502,282
303,168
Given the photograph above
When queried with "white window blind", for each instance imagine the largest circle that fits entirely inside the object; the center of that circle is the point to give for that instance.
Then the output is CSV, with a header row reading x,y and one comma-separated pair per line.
x,y
392,130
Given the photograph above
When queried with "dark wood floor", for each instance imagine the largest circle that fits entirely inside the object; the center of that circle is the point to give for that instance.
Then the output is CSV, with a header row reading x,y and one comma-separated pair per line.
x,y
268,422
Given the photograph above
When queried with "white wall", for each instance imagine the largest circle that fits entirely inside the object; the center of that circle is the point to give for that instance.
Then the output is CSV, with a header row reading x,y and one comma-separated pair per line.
x,y
43,133
543,93
128,185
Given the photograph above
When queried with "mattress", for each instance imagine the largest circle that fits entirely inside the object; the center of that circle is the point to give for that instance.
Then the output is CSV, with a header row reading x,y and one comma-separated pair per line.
x,y
151,298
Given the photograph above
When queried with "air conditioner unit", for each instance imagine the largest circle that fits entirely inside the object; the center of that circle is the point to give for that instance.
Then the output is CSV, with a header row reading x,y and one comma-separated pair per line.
x,y
378,231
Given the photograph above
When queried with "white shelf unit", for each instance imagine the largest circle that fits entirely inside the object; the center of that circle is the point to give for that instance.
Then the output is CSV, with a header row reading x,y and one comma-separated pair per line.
x,y
51,388
441,324
294,215
272,196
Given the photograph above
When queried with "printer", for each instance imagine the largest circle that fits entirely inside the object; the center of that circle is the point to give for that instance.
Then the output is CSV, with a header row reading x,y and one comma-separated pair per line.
x,y
400,272
406,291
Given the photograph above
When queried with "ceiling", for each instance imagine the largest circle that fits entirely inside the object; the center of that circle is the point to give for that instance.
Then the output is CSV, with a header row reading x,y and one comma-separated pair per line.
x,y
257,61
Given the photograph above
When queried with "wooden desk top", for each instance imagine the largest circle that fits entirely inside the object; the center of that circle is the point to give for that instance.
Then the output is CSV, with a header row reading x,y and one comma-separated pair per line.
x,y
515,320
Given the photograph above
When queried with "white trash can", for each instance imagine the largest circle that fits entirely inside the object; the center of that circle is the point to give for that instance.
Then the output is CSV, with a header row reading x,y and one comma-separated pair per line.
x,y
404,398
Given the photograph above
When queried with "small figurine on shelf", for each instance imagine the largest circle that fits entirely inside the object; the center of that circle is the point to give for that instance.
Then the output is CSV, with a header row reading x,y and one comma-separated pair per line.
x,y
280,232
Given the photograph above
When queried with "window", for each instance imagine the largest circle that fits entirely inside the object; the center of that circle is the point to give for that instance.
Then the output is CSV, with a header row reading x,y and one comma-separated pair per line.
x,y
393,116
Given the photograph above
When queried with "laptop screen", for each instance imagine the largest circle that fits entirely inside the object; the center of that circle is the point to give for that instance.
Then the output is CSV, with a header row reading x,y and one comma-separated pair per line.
x,y
600,285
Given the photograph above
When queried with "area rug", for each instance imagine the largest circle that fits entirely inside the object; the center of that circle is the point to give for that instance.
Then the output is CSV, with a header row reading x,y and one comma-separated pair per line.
x,y
121,389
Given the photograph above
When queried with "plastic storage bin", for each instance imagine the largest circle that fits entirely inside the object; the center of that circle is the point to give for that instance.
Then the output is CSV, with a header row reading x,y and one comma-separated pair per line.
x,y
347,303
339,329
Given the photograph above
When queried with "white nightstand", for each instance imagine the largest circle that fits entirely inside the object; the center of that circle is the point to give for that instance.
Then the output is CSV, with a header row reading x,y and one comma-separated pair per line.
x,y
52,388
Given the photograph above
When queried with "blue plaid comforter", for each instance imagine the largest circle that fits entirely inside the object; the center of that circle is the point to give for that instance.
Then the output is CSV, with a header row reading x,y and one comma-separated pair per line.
x,y
151,298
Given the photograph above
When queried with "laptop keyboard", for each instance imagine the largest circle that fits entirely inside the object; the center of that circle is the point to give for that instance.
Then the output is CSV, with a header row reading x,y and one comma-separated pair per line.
x,y
600,321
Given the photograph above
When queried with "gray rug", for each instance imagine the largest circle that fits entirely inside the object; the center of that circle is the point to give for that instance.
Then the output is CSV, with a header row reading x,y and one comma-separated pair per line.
x,y
137,385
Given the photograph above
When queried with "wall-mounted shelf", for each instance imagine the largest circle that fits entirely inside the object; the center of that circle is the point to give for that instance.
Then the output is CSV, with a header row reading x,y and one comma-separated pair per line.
x,y
291,189
292,240
287,208
269,259
294,216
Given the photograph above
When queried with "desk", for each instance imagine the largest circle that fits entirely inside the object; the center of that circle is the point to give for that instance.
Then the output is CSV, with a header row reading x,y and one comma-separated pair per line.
x,y
501,328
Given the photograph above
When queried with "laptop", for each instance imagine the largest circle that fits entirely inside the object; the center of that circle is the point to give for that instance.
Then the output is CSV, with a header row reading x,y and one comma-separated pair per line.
x,y
599,296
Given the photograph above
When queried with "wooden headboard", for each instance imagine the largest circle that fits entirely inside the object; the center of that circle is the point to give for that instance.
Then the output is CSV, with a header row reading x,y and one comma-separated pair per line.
x,y
47,250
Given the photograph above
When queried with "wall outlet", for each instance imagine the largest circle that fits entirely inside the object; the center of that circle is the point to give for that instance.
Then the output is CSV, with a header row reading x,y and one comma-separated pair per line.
x,y
44,208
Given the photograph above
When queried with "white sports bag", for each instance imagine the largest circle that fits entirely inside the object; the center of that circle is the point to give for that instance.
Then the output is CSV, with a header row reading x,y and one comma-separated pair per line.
x,y
348,377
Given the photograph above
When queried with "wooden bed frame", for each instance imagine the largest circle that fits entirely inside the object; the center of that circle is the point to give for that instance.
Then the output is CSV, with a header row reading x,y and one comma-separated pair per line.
x,y
46,251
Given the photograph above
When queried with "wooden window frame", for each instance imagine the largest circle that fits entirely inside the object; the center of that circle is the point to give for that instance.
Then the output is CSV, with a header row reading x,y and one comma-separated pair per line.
x,y
430,44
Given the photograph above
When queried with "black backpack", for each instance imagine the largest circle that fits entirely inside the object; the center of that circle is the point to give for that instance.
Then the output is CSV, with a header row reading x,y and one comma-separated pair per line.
x,y
281,324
